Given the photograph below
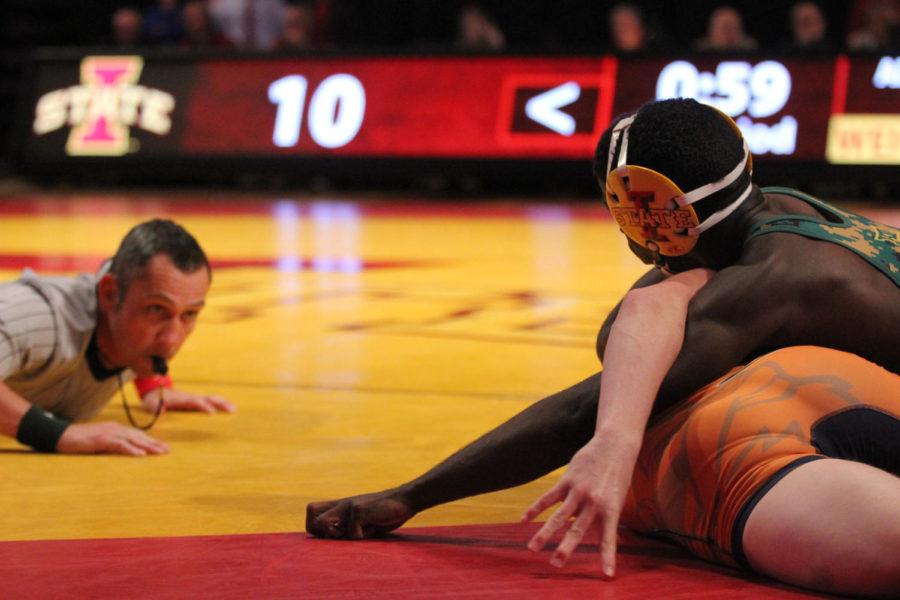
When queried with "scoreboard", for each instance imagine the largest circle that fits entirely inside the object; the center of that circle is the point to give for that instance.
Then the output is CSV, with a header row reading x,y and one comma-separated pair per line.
x,y
841,110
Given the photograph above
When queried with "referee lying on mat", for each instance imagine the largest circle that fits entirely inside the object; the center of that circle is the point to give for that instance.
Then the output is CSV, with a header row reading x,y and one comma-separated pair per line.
x,y
67,344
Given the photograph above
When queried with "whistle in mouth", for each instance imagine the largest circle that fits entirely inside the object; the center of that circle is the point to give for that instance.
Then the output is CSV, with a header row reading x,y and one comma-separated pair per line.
x,y
159,365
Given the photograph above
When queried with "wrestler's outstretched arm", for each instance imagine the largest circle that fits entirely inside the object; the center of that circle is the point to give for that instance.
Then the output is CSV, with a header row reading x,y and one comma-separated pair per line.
x,y
538,440
643,344
547,434
533,443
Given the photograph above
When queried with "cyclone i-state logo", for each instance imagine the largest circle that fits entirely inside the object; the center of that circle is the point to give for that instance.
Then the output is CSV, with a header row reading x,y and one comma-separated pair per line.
x,y
102,110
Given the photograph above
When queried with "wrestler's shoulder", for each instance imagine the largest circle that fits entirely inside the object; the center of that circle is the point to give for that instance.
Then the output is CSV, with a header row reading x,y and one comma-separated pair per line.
x,y
792,260
783,279
818,280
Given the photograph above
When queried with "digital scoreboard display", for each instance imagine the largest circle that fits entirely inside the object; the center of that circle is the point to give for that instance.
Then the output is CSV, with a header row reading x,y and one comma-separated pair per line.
x,y
864,126
841,109
781,106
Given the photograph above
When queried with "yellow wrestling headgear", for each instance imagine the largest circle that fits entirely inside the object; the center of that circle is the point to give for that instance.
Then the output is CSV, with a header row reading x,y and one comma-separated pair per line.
x,y
652,210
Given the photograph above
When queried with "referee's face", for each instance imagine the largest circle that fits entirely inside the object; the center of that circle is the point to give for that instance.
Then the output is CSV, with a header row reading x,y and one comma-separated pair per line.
x,y
158,313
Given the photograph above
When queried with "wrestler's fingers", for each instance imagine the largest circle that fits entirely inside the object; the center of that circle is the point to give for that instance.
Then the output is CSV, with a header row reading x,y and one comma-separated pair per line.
x,y
608,543
553,524
573,536
335,521
354,527
550,497
316,508
313,511
328,523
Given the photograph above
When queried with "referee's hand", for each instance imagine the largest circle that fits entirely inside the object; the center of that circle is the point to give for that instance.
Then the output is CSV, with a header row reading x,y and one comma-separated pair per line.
x,y
108,438
180,400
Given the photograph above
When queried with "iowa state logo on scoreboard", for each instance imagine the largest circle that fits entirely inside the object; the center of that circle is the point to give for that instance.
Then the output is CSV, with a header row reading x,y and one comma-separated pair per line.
x,y
102,110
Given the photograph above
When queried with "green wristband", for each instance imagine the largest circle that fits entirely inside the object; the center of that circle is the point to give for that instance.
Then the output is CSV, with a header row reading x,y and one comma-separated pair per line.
x,y
40,429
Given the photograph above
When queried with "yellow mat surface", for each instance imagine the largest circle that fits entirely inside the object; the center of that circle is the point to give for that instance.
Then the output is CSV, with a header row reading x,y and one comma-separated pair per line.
x,y
381,337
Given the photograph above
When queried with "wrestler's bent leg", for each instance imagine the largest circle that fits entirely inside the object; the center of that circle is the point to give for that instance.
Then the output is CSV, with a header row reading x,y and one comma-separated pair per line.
x,y
831,525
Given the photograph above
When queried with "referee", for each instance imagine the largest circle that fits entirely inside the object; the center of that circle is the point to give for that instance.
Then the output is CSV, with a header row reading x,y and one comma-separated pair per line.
x,y
68,343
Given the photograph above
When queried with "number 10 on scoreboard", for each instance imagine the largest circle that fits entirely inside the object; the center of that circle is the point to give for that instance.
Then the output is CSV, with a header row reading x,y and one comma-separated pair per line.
x,y
336,110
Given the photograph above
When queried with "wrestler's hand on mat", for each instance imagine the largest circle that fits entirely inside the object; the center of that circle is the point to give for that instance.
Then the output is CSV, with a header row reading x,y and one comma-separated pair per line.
x,y
592,491
181,400
358,517
108,438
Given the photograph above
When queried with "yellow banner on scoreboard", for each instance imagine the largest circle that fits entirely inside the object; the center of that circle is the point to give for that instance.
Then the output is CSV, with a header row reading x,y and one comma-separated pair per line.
x,y
863,139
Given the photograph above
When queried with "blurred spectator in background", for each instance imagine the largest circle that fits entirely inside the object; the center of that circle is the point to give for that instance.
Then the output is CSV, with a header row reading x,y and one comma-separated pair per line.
x,y
475,30
163,24
630,31
627,30
248,24
323,16
725,33
198,29
879,30
297,27
126,24
809,30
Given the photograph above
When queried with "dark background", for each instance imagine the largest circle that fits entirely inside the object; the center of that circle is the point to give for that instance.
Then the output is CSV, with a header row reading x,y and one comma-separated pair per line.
x,y
426,26
529,25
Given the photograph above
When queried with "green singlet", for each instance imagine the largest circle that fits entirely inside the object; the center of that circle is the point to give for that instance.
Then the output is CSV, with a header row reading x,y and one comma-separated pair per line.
x,y
876,243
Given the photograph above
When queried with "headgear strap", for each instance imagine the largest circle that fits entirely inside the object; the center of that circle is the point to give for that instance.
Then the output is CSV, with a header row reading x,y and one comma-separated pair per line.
x,y
652,210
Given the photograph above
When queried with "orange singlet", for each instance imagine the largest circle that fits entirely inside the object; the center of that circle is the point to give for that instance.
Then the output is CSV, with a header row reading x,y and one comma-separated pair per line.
x,y
706,462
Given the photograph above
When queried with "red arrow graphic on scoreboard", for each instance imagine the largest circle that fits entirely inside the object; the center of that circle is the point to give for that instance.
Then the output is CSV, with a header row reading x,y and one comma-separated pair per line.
x,y
555,112
544,108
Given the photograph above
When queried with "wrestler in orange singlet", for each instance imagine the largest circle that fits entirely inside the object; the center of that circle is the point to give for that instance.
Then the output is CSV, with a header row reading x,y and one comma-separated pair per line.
x,y
774,434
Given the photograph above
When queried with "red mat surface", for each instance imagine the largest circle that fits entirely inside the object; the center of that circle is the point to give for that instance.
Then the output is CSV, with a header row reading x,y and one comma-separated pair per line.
x,y
435,562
